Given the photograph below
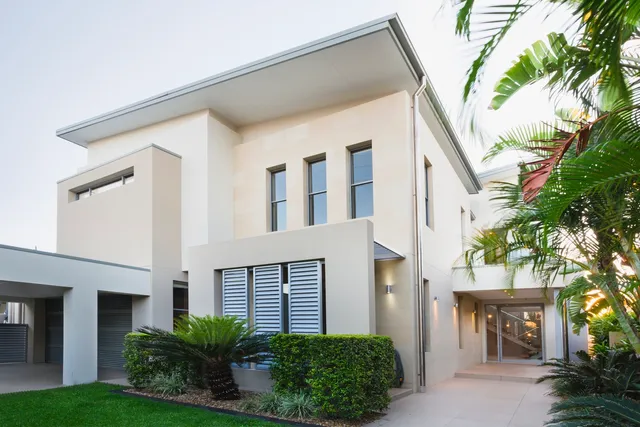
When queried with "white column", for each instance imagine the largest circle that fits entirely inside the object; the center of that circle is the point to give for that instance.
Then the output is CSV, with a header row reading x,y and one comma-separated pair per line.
x,y
80,358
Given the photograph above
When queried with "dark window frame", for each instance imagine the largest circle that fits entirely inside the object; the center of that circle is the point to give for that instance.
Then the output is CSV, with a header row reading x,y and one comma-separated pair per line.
x,y
354,185
274,202
310,197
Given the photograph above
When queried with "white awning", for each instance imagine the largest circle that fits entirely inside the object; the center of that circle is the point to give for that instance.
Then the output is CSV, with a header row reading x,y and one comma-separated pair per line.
x,y
383,253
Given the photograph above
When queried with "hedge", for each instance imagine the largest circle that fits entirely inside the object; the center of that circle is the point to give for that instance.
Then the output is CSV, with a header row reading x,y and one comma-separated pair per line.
x,y
347,375
142,367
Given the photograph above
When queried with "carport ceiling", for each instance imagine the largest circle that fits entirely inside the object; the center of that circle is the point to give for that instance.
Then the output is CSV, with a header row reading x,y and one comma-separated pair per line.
x,y
10,290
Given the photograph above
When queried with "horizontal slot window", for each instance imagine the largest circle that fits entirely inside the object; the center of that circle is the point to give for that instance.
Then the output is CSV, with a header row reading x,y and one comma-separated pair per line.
x,y
105,186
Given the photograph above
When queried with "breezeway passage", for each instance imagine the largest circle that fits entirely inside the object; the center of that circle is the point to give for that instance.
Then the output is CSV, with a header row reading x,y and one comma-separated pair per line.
x,y
466,402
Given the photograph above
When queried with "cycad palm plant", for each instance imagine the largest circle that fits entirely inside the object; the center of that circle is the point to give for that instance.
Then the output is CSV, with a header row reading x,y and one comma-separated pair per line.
x,y
595,411
212,343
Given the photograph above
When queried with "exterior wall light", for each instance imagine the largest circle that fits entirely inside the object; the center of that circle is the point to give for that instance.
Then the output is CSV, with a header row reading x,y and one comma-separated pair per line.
x,y
389,289
455,305
436,298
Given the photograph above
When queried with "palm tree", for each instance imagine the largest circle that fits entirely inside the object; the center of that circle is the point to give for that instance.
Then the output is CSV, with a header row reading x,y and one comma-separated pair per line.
x,y
599,67
212,343
573,212
585,219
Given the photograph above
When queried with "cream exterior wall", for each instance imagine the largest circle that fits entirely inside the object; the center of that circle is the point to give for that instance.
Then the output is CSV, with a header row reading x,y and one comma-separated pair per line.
x,y
346,248
442,246
137,224
204,144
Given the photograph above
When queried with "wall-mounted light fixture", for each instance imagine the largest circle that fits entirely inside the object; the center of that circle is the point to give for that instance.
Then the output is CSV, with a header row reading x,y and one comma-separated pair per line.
x,y
436,298
475,311
455,305
389,289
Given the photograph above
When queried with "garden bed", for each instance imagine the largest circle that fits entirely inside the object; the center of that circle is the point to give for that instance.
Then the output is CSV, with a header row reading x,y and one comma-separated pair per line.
x,y
203,399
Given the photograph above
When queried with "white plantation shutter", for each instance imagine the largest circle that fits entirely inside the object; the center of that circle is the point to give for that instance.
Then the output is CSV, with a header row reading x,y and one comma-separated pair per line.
x,y
305,298
235,289
267,298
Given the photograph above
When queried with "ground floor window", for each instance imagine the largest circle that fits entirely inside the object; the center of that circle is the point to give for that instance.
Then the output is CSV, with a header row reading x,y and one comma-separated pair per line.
x,y
276,298
180,299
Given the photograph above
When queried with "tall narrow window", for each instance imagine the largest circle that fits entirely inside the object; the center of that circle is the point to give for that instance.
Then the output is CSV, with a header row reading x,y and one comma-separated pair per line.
x,y
361,183
317,192
460,322
463,228
180,299
279,200
427,202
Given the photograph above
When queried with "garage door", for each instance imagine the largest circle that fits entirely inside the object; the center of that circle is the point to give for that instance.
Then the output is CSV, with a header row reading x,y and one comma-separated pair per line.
x,y
53,331
114,322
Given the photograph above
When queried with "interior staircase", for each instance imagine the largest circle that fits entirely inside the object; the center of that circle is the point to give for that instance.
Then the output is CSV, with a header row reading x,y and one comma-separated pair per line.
x,y
512,338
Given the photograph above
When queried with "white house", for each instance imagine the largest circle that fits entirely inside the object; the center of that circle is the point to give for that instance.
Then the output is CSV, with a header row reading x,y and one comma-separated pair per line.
x,y
320,190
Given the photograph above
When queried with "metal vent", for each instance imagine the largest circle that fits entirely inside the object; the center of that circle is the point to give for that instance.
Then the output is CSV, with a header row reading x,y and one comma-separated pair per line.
x,y
13,343
235,301
305,298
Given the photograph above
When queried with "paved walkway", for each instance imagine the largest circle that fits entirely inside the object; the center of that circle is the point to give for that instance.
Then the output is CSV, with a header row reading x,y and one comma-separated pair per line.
x,y
40,376
465,402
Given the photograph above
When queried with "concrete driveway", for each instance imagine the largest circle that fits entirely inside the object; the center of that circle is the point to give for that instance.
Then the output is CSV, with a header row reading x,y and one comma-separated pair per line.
x,y
465,402
40,376
24,377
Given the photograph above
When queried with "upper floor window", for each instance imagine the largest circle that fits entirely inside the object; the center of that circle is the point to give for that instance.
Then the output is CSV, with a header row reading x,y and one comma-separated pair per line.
x,y
105,186
495,255
317,192
427,195
361,183
279,200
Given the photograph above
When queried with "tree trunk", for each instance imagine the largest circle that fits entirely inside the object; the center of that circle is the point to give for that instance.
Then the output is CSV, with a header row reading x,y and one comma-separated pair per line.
x,y
612,295
220,381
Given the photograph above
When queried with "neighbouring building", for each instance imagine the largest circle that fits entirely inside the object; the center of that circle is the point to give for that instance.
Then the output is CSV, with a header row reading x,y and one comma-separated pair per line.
x,y
305,192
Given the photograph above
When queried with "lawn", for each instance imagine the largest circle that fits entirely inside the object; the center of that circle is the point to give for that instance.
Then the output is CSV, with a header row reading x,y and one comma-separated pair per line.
x,y
95,405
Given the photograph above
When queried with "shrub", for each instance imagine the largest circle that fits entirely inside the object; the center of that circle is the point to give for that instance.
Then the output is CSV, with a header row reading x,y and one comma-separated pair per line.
x,y
142,367
297,405
347,375
250,403
269,402
614,372
168,385
290,365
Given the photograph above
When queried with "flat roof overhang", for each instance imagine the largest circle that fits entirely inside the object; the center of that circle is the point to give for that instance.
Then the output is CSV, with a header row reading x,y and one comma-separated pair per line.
x,y
364,62
26,273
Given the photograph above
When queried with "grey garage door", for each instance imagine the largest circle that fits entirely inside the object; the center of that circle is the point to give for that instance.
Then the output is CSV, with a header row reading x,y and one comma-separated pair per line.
x,y
53,331
114,322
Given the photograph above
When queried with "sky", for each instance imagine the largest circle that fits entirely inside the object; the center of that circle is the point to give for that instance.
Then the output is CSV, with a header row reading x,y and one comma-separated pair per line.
x,y
68,60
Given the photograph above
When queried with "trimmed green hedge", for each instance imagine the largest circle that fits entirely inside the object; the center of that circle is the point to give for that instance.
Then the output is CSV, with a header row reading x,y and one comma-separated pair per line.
x,y
347,375
142,367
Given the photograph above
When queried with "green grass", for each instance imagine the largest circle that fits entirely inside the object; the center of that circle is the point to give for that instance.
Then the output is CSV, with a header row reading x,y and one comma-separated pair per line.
x,y
95,405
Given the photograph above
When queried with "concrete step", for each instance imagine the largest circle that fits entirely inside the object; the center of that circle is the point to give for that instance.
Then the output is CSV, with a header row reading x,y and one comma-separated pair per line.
x,y
496,377
399,393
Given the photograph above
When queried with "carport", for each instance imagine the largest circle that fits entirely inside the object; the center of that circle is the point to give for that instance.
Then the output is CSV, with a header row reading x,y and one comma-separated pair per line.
x,y
77,310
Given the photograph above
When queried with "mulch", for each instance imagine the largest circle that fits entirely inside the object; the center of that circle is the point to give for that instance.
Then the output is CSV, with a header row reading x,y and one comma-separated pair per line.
x,y
202,399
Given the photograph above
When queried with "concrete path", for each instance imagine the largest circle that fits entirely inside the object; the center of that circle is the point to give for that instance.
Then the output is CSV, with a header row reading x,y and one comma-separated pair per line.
x,y
464,402
25,377
40,376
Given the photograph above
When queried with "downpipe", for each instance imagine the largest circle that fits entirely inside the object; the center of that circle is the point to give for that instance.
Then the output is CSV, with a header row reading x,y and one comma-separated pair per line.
x,y
418,235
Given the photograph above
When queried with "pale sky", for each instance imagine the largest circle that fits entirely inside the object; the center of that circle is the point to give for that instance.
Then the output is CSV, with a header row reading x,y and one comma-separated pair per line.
x,y
67,60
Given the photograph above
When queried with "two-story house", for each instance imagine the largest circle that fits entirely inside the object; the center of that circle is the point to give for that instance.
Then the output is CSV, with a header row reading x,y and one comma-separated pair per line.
x,y
320,190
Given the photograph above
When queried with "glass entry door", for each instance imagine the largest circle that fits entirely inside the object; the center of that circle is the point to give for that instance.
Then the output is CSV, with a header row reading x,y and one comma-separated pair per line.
x,y
514,333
